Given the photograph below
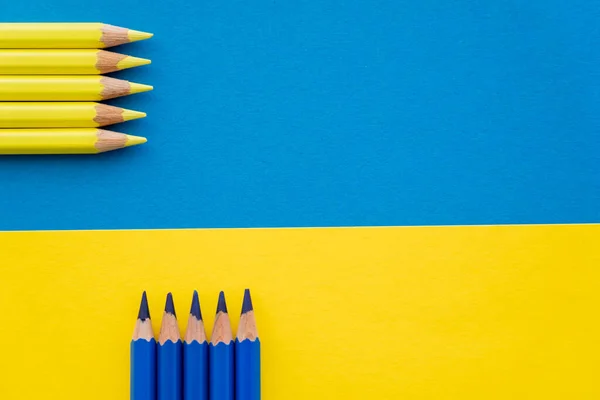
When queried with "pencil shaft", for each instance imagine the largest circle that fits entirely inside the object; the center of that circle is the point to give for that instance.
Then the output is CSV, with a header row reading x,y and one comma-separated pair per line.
x,y
64,88
247,370
195,371
143,370
247,354
63,141
62,115
169,377
65,35
221,365
64,62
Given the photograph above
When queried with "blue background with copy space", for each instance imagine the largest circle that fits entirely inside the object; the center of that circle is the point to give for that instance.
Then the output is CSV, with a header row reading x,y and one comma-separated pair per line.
x,y
333,113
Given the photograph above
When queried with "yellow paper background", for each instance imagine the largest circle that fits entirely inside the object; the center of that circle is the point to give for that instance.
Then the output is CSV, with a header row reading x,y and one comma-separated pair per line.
x,y
489,312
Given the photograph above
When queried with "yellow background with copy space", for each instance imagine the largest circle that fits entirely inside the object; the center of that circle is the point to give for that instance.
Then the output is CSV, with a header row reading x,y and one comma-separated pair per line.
x,y
480,312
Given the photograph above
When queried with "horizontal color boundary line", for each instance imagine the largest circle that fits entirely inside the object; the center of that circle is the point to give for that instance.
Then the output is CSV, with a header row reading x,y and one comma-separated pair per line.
x,y
292,227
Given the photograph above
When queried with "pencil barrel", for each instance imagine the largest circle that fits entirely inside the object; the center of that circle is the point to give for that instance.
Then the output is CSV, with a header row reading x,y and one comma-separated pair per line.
x,y
48,62
195,371
143,370
49,141
50,35
50,88
53,115
247,370
169,377
221,364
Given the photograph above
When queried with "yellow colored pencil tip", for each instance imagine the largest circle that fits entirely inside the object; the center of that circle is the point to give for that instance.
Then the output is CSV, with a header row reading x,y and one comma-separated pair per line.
x,y
134,36
135,140
130,62
129,115
139,88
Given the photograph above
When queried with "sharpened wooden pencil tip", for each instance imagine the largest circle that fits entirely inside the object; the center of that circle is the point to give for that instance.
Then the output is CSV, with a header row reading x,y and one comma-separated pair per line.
x,y
144,312
195,309
108,140
222,327
169,331
169,305
247,303
108,115
222,305
247,325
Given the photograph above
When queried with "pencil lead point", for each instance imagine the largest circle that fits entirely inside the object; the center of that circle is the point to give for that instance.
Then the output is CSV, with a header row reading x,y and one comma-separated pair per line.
x,y
221,305
132,62
144,312
247,303
134,36
135,140
129,115
169,306
139,88
195,309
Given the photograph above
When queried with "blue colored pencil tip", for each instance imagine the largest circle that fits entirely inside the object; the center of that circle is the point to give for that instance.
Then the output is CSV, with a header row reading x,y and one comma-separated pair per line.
x,y
144,312
247,303
222,306
169,306
195,310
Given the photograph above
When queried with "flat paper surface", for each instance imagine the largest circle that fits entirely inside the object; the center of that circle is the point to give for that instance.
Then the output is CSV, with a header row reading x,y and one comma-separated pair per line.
x,y
387,313
333,113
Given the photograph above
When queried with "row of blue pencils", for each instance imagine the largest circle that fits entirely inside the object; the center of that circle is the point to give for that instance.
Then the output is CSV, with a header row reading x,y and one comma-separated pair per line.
x,y
195,369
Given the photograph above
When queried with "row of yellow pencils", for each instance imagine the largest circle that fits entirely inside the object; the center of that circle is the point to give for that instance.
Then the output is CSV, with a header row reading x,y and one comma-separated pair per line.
x,y
50,84
196,369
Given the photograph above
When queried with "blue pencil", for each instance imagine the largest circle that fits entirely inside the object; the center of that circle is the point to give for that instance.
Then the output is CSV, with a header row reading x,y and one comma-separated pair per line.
x,y
195,356
247,354
169,355
143,356
221,384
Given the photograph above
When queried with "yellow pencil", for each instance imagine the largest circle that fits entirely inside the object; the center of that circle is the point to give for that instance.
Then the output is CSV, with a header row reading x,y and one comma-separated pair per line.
x,y
64,141
65,88
65,35
64,62
62,115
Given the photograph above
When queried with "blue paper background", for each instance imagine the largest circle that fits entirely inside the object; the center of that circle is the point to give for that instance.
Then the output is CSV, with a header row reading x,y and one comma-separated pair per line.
x,y
334,113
